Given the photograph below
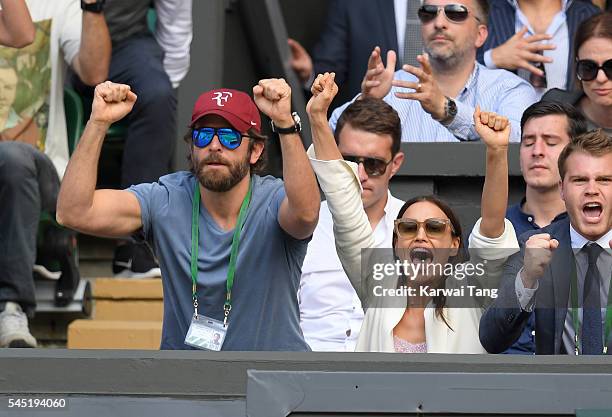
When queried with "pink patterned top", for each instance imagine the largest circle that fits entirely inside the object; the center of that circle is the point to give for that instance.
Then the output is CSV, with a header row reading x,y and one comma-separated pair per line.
x,y
402,346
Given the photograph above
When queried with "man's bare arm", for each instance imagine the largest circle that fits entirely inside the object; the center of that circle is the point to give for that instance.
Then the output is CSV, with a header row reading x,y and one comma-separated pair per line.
x,y
109,213
299,211
92,62
16,27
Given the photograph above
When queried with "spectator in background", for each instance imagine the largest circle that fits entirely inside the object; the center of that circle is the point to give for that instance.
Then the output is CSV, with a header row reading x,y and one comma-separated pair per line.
x,y
219,202
568,263
445,90
546,128
34,146
369,134
153,64
593,46
16,27
352,29
535,39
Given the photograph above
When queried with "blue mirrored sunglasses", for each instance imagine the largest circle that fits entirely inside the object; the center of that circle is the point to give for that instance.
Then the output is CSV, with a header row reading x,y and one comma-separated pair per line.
x,y
229,138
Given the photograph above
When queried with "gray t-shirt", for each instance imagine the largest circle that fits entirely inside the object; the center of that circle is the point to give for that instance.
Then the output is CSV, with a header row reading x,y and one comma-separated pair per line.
x,y
265,311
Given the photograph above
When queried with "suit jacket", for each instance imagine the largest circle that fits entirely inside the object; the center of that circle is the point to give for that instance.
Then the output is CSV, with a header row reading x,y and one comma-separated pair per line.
x,y
502,26
502,323
352,30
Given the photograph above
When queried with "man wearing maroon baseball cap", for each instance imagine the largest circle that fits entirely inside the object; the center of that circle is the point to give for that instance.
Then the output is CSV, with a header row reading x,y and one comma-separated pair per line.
x,y
230,243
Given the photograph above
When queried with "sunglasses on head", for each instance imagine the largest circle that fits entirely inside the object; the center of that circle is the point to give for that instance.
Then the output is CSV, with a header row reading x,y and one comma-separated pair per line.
x,y
374,167
587,70
454,12
229,138
434,228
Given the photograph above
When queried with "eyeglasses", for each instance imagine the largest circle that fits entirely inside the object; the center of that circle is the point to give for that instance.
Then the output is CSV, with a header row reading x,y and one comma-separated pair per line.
x,y
229,138
587,70
374,167
456,13
434,228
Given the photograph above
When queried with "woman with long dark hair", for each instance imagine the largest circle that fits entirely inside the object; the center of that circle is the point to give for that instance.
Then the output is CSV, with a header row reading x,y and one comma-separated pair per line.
x,y
593,67
398,316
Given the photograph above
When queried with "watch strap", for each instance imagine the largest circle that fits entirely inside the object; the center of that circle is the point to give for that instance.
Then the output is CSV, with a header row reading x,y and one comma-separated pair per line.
x,y
296,128
96,7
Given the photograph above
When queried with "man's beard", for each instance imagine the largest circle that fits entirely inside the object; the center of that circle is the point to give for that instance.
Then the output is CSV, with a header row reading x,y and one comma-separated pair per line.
x,y
446,59
217,180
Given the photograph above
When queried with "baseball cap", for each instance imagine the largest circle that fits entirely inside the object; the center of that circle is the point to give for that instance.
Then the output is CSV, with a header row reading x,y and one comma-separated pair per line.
x,y
234,106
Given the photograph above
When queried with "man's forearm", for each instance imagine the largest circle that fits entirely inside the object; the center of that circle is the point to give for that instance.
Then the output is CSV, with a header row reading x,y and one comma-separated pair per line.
x,y
16,27
300,182
79,183
93,60
495,193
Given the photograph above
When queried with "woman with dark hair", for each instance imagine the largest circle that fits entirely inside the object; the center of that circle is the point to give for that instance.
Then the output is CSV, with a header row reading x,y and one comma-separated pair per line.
x,y
399,317
593,46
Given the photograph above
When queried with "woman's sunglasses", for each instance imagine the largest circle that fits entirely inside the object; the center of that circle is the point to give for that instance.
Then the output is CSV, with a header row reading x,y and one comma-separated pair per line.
x,y
229,138
434,228
374,167
587,70
454,12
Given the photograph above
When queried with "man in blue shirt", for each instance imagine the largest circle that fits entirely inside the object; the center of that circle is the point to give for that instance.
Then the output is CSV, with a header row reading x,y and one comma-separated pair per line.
x,y
230,243
436,101
546,128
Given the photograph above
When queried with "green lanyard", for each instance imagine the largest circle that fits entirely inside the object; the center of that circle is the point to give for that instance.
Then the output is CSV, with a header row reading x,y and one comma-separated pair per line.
x,y
195,242
575,318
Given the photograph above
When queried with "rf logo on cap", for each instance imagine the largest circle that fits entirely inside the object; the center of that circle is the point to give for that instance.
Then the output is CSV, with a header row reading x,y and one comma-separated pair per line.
x,y
222,97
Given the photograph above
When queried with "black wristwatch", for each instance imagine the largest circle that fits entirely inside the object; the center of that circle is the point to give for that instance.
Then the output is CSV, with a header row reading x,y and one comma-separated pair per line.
x,y
450,111
296,128
96,7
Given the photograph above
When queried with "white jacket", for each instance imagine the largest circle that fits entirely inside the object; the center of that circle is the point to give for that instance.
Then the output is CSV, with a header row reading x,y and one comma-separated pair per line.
x,y
352,232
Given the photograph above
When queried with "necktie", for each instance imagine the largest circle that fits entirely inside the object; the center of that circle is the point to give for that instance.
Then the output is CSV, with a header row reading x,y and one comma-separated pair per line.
x,y
591,306
413,42
538,81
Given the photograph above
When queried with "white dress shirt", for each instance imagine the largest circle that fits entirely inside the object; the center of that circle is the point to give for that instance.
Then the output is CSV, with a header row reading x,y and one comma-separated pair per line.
x,y
330,310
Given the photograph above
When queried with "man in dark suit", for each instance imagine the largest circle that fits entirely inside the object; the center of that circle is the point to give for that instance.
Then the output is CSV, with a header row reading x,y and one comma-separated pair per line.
x,y
540,276
352,30
523,36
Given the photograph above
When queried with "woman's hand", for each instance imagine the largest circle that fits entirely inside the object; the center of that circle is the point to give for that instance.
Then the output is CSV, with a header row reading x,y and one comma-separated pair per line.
x,y
323,89
493,129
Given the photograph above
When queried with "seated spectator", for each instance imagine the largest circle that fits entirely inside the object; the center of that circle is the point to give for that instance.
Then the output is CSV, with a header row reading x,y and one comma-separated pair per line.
x,y
546,128
369,134
568,263
16,27
249,234
534,39
344,46
34,146
151,126
593,46
425,226
449,84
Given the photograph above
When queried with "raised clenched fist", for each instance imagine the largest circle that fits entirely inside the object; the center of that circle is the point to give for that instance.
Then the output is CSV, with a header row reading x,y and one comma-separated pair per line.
x,y
112,102
493,129
324,89
538,254
273,98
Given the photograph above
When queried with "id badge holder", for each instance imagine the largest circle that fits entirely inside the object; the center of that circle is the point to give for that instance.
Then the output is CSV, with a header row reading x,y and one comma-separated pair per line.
x,y
206,333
